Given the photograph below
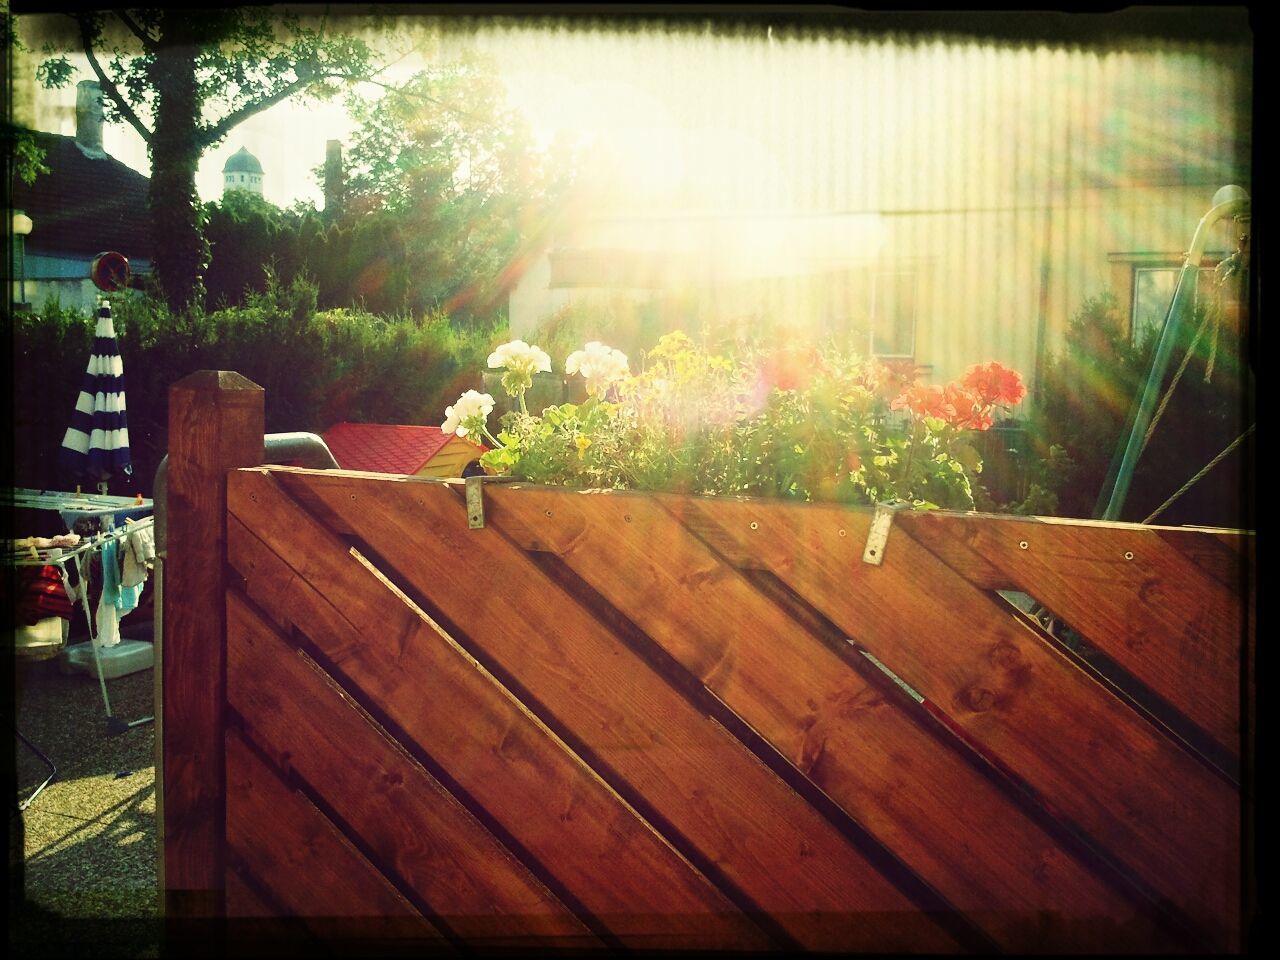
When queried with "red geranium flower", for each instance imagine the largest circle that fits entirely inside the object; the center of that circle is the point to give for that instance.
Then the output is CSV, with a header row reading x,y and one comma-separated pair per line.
x,y
995,384
889,378
791,368
926,401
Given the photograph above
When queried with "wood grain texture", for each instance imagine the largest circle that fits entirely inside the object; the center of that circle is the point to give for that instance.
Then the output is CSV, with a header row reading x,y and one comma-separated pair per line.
x,y
1128,590
1151,806
215,425
770,844
612,861
923,801
243,900
312,870
418,831
255,928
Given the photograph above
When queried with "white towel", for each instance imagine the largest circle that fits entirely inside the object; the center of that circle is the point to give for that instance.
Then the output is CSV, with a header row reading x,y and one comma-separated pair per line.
x,y
139,555
108,633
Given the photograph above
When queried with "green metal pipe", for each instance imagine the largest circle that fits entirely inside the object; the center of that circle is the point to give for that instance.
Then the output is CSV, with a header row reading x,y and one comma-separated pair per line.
x,y
1235,202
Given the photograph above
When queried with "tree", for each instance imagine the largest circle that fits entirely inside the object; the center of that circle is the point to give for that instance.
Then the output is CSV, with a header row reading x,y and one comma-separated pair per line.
x,y
445,157
246,235
183,79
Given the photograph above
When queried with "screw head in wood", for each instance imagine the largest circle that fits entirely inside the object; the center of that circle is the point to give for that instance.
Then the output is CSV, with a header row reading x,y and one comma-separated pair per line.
x,y
754,525
1022,544
1128,554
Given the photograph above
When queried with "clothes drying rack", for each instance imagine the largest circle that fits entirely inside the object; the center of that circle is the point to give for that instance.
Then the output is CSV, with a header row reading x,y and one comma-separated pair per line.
x,y
73,507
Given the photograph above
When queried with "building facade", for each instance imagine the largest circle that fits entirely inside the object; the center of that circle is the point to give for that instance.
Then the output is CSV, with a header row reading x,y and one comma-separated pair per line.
x,y
87,204
968,198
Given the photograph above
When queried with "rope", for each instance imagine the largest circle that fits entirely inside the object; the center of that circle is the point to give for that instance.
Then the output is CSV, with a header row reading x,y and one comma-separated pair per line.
x,y
1214,313
1192,482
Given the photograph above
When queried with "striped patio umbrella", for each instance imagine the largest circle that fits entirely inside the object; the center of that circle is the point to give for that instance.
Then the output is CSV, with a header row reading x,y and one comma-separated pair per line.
x,y
96,445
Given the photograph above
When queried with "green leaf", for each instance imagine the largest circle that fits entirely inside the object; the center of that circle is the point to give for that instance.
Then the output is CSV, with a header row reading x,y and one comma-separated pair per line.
x,y
967,455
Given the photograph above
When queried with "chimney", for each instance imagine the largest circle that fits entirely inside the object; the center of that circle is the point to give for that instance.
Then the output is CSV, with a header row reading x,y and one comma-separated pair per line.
x,y
334,181
89,119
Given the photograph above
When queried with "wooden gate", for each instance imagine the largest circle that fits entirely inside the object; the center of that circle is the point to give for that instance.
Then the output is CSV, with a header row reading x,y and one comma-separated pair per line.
x,y
621,720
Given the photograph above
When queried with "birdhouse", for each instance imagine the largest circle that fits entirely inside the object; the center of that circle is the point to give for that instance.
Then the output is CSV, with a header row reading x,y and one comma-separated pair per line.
x,y
401,449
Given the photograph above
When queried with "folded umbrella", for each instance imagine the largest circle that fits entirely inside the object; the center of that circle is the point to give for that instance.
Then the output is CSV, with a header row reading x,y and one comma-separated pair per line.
x,y
96,445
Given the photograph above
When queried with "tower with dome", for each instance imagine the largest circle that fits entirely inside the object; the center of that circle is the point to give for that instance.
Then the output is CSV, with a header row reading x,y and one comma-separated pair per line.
x,y
242,171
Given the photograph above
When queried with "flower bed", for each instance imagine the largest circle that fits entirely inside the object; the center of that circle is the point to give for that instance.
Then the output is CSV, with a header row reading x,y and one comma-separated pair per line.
x,y
787,421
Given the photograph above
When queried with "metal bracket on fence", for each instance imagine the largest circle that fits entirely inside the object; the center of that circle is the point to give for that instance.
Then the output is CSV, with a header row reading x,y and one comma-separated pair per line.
x,y
475,499
878,535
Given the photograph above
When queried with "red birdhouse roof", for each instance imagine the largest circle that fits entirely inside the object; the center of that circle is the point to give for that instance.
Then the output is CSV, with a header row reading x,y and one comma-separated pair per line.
x,y
384,447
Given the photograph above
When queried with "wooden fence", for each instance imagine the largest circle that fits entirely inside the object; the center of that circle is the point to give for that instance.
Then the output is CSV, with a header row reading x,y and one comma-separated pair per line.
x,y
662,722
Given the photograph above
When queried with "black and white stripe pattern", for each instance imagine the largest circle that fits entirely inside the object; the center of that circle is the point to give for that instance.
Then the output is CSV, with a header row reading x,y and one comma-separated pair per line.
x,y
96,444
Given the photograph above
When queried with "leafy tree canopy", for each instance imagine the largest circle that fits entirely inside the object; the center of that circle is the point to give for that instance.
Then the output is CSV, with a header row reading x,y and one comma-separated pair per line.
x,y
244,60
459,174
183,79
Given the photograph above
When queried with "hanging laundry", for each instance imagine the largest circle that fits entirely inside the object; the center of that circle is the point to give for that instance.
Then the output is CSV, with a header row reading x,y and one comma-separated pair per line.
x,y
46,543
41,594
139,556
116,600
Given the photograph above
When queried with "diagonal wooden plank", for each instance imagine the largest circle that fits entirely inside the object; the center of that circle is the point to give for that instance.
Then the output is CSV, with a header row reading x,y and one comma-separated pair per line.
x,y
1226,555
1126,589
255,926
243,900
1155,809
310,868
301,717
926,803
601,852
771,845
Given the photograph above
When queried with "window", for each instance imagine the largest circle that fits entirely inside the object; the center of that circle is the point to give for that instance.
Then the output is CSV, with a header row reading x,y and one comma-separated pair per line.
x,y
1153,289
893,314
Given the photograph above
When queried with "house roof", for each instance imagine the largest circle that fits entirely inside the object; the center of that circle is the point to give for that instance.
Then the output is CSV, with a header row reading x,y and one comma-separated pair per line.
x,y
384,447
84,206
242,161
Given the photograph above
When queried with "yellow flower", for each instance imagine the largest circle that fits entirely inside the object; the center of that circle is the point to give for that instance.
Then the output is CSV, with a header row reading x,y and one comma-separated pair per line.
x,y
583,443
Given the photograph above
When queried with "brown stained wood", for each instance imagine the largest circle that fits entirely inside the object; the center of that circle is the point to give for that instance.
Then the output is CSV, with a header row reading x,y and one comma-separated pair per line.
x,y
215,425
1128,590
243,900
927,804
255,927
596,846
1154,808
767,841
311,869
1225,556
303,720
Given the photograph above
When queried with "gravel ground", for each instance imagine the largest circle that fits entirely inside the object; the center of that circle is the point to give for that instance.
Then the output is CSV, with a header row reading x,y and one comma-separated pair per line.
x,y
89,870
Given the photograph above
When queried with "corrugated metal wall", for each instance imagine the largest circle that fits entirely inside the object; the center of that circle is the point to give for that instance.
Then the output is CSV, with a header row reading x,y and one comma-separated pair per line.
x,y
1012,178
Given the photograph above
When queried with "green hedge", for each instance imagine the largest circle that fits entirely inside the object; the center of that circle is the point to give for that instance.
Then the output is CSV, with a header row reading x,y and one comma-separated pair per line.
x,y
318,367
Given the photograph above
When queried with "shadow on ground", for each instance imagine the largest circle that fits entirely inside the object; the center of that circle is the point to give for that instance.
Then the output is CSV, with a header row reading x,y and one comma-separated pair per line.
x,y
89,876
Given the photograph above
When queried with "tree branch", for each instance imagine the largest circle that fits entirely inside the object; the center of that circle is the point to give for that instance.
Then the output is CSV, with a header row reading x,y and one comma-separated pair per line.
x,y
220,129
107,84
148,41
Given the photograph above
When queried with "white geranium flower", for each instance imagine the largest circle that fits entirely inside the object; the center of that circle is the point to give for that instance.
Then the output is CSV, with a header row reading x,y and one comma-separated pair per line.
x,y
601,366
521,361
468,413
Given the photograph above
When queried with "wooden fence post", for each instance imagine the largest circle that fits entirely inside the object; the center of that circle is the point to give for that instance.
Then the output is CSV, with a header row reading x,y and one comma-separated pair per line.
x,y
216,421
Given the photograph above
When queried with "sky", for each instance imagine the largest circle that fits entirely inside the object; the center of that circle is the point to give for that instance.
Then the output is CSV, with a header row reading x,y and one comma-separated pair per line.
x,y
768,153
601,92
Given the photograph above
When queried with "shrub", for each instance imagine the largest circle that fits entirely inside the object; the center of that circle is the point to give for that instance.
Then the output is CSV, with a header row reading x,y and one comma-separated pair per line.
x,y
1088,402
317,368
